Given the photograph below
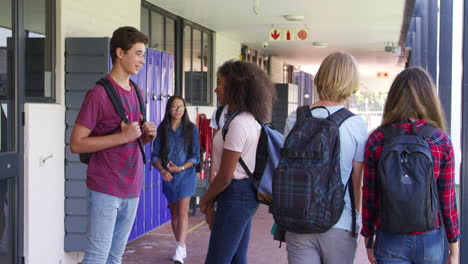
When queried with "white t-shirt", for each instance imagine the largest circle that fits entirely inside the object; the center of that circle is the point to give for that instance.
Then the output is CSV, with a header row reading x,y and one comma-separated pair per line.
x,y
222,118
242,136
353,137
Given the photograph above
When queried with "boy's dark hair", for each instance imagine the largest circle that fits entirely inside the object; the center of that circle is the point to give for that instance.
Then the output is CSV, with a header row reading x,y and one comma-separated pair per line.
x,y
125,38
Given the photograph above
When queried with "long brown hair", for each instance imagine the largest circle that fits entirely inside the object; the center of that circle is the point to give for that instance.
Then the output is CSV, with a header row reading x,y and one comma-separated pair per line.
x,y
413,95
163,128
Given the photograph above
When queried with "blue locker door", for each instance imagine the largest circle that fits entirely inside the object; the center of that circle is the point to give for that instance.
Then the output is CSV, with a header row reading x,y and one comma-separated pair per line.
x,y
155,105
170,75
133,232
148,172
140,80
164,81
165,215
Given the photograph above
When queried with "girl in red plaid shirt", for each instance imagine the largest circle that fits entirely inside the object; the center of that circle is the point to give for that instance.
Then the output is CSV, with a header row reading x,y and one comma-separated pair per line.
x,y
412,96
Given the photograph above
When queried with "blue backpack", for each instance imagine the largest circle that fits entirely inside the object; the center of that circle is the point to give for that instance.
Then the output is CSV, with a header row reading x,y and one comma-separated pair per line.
x,y
406,183
308,193
267,158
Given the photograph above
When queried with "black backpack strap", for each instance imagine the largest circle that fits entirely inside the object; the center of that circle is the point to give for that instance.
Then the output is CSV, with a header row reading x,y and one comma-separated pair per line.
x,y
117,103
227,123
303,112
140,100
389,131
340,116
224,131
350,186
110,90
219,111
428,131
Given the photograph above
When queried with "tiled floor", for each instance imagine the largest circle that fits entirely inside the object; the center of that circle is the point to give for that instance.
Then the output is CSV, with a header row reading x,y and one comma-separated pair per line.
x,y
158,245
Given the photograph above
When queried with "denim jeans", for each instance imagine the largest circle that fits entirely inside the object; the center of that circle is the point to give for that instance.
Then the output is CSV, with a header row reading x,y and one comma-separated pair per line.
x,y
110,221
229,240
422,248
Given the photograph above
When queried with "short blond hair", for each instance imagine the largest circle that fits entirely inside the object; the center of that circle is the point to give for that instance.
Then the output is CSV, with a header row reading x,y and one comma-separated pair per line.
x,y
337,78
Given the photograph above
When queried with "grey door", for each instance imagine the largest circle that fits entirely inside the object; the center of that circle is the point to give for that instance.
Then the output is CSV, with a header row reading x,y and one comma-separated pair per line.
x,y
9,130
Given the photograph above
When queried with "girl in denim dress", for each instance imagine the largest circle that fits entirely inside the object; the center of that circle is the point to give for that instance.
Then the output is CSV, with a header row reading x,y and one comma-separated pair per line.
x,y
176,151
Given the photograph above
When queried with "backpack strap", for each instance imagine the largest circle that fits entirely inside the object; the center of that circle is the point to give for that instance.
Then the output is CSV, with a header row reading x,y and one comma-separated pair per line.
x,y
117,103
227,122
350,186
219,111
428,131
340,116
303,112
224,131
113,96
140,100
389,131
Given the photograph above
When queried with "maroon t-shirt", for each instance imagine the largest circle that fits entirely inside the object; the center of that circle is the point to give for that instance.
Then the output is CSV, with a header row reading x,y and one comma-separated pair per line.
x,y
116,171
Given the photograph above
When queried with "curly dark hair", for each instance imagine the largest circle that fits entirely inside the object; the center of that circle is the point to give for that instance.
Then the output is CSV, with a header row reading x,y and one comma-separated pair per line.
x,y
125,38
163,128
248,88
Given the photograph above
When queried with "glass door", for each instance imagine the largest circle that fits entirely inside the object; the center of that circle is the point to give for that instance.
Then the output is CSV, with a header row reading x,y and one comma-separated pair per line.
x,y
9,154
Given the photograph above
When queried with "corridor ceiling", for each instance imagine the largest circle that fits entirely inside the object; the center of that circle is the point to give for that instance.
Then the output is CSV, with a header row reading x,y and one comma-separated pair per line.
x,y
361,27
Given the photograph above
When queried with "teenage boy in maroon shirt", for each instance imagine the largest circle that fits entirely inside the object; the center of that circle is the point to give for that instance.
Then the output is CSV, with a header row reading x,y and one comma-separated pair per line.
x,y
115,170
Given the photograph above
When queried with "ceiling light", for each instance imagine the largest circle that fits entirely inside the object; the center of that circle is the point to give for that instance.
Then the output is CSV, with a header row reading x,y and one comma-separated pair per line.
x,y
320,44
294,17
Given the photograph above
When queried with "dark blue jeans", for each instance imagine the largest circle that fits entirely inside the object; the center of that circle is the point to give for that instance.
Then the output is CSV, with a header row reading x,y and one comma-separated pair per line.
x,y
409,249
229,240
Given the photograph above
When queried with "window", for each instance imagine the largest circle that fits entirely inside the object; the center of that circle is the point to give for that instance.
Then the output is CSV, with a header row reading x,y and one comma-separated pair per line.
x,y
159,25
39,57
39,50
192,46
197,60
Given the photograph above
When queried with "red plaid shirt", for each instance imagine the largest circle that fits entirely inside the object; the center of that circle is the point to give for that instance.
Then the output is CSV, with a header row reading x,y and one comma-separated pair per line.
x,y
442,152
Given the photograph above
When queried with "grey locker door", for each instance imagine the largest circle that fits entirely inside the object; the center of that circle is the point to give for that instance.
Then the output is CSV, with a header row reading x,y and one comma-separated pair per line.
x,y
87,60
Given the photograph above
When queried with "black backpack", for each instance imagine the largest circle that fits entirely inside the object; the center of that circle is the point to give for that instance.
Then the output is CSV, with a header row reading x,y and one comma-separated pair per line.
x,y
114,97
308,193
406,183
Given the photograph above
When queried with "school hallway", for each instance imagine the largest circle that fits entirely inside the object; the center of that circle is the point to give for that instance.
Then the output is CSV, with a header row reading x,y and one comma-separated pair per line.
x,y
158,246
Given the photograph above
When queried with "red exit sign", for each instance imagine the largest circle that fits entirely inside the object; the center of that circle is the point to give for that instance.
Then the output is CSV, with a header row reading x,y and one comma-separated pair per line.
x,y
382,74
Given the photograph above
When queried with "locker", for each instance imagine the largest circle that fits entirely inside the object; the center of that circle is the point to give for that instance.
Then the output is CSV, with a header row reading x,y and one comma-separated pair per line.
x,y
148,167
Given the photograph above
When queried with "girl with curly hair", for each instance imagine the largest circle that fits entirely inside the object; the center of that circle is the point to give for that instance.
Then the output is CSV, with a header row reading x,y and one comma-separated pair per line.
x,y
249,93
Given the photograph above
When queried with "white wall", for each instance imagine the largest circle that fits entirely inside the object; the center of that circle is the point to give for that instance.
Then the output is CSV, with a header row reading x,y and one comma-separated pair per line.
x,y
44,183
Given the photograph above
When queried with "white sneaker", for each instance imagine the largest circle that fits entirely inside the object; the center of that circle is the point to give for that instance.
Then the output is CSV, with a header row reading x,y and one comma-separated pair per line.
x,y
180,254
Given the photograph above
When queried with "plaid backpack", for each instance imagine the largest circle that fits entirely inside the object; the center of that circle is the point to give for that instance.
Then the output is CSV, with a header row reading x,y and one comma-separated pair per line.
x,y
308,193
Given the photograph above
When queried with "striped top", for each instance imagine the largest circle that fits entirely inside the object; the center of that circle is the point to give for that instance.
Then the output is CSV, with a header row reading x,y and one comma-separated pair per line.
x,y
116,171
